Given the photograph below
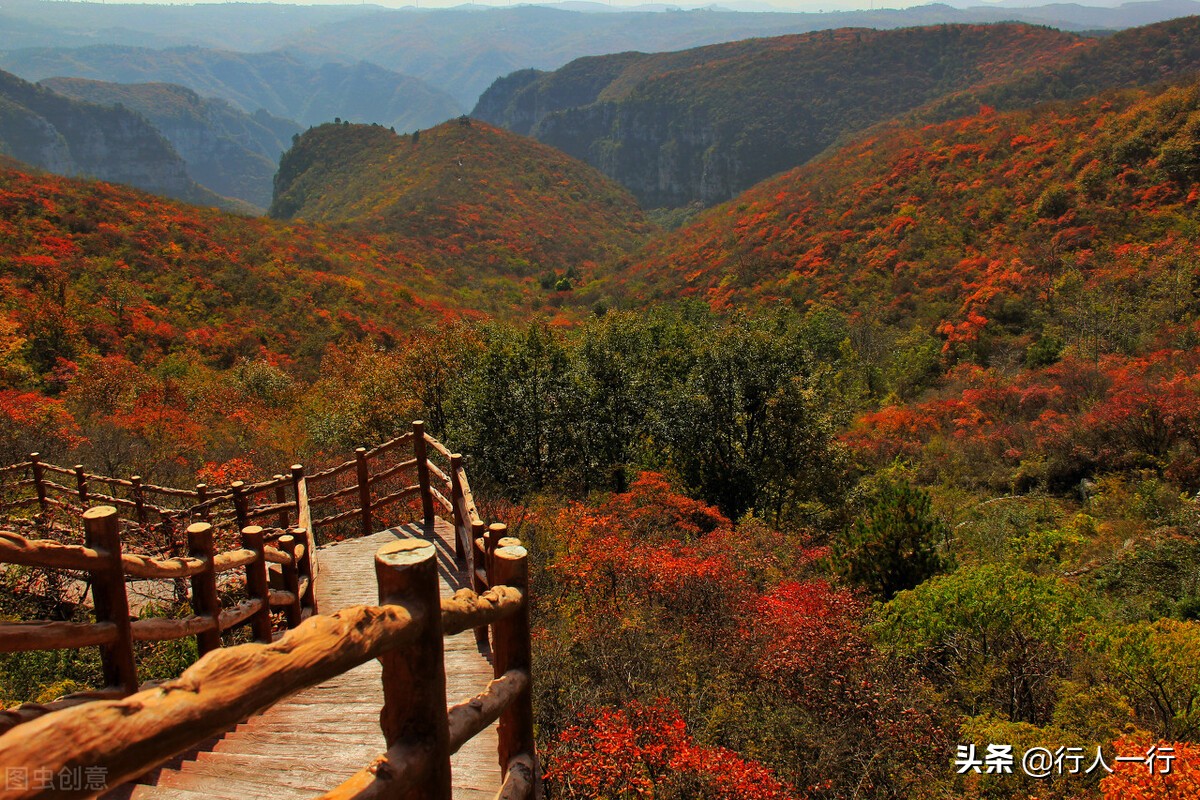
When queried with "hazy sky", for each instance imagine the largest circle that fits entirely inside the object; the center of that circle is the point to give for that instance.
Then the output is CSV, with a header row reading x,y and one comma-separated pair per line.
x,y
747,5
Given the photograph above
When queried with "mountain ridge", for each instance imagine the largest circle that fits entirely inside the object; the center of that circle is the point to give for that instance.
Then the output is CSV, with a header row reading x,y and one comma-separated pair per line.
x,y
284,84
701,125
227,150
72,137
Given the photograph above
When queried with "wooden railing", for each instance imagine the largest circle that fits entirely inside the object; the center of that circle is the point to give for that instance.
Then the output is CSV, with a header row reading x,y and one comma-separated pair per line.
x,y
114,632
127,734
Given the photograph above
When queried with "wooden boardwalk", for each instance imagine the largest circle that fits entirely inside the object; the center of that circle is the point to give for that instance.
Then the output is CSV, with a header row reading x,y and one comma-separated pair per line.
x,y
317,738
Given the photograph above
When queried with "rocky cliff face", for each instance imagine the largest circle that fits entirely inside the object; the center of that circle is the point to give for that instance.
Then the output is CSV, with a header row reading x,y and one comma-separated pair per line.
x,y
227,150
68,137
704,124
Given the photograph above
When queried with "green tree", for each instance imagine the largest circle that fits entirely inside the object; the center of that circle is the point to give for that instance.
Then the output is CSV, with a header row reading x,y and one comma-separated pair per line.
x,y
894,546
994,638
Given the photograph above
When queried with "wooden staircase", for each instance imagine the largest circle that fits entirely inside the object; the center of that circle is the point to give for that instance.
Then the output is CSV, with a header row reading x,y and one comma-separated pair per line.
x,y
314,740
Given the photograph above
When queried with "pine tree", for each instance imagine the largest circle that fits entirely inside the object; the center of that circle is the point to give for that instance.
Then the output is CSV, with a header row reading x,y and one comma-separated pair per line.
x,y
894,545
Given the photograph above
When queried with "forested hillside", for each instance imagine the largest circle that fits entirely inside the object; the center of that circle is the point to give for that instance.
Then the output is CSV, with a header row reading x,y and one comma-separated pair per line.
x,y
998,229
1142,56
493,201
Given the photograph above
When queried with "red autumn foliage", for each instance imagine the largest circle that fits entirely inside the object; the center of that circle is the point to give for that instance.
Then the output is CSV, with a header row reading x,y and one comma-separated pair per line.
x,y
643,751
1134,780
1074,418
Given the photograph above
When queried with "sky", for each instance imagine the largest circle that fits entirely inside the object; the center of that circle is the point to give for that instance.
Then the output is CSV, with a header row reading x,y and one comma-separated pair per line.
x,y
741,5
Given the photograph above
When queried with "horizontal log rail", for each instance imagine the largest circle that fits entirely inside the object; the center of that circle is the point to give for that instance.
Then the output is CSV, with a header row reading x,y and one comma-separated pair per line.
x,y
17,637
391,444
16,549
380,478
384,474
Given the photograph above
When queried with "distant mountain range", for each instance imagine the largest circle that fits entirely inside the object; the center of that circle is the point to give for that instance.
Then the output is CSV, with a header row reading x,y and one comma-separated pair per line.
x,y
701,125
283,84
458,51
227,150
70,137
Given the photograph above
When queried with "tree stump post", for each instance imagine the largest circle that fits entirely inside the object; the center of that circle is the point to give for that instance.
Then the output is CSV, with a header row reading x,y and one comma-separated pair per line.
x,y
102,530
297,479
421,453
81,485
201,499
458,501
204,585
257,587
304,567
511,649
496,532
364,489
241,504
478,567
414,678
291,581
39,481
139,499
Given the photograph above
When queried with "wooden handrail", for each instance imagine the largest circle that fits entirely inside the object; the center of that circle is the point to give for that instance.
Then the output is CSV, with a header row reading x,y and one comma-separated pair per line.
x,y
128,736
16,549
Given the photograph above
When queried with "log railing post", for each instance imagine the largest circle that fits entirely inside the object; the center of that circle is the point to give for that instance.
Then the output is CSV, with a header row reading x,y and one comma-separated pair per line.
x,y
103,533
291,581
478,580
241,505
304,568
201,498
511,649
257,587
421,453
81,485
39,480
496,531
297,477
139,499
459,502
204,585
364,489
280,499
414,678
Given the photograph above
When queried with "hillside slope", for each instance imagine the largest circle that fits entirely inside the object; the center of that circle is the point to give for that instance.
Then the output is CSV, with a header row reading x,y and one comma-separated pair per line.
x,y
281,83
704,124
1070,223
69,137
227,150
1130,58
92,269
479,195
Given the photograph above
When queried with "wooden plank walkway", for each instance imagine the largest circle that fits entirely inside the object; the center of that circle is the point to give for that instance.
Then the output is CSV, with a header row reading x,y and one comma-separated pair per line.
x,y
317,738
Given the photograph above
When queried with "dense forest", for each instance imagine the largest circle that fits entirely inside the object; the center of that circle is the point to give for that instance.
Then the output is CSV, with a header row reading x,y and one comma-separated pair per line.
x,y
888,460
